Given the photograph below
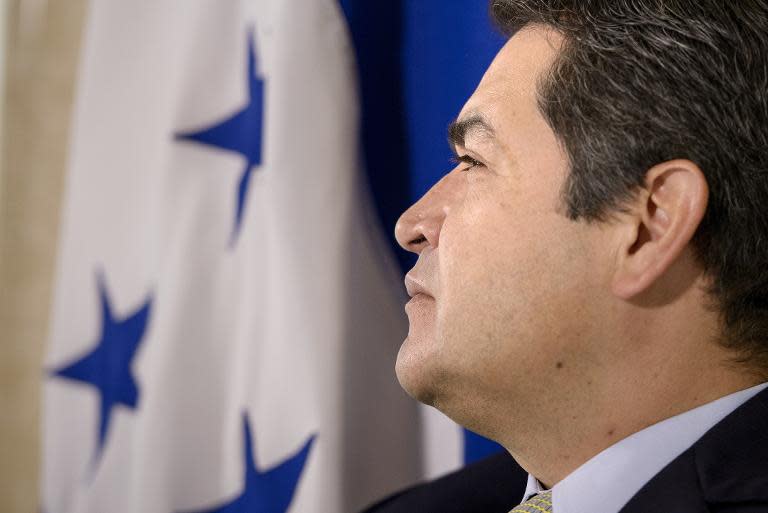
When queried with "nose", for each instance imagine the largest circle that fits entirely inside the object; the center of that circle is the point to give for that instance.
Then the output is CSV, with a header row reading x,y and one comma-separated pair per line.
x,y
420,225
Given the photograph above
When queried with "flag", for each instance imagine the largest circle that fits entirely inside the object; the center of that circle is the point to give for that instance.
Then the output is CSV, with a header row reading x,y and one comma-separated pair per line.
x,y
225,316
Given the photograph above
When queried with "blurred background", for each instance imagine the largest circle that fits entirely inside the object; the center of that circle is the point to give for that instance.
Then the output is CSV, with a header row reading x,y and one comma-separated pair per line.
x,y
200,292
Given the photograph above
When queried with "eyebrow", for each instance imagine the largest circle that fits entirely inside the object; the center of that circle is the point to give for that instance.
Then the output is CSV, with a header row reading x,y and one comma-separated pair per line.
x,y
459,130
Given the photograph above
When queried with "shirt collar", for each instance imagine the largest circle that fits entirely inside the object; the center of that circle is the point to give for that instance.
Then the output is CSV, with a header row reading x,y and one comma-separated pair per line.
x,y
533,487
620,471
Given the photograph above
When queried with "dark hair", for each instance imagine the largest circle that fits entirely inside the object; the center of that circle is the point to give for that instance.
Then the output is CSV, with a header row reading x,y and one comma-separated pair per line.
x,y
640,82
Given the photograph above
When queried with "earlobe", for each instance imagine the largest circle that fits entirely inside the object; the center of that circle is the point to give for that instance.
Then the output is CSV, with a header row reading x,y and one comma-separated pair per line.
x,y
660,224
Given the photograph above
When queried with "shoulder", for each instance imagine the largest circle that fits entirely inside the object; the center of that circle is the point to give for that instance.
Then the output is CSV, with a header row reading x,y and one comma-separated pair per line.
x,y
494,484
726,471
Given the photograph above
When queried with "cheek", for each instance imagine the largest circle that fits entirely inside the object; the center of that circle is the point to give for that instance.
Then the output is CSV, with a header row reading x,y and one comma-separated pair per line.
x,y
507,278
482,238
474,258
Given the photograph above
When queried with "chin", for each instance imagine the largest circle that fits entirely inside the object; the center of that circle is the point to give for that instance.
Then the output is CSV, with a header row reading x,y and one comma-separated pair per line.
x,y
416,372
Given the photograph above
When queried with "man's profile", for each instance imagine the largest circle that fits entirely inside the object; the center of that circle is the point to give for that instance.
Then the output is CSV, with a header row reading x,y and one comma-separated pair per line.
x,y
592,283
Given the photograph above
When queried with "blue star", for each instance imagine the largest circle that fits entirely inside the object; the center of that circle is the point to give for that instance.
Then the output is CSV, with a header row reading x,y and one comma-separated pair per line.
x,y
240,133
108,366
270,491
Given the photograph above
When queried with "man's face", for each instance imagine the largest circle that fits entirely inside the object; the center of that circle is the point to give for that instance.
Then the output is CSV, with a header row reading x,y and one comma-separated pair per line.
x,y
505,285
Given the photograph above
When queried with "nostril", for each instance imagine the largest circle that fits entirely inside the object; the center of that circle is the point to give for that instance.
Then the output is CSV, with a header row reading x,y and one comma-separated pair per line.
x,y
418,241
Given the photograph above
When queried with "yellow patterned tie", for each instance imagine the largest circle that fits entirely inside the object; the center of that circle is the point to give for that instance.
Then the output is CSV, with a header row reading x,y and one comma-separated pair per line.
x,y
541,503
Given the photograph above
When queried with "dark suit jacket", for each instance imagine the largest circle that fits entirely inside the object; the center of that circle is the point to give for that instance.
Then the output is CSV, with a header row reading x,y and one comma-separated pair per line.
x,y
725,471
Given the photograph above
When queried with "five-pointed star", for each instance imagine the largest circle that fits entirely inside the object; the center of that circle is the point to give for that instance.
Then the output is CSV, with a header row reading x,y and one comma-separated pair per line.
x,y
270,491
108,366
240,133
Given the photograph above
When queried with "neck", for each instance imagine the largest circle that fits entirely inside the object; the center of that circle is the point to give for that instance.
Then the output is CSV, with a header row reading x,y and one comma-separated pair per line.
x,y
641,383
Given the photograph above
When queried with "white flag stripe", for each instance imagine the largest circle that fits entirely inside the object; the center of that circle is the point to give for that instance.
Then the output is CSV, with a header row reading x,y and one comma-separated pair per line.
x,y
295,324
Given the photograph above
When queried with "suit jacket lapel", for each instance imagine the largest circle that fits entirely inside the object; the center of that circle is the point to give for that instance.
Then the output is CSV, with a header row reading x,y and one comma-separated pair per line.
x,y
725,470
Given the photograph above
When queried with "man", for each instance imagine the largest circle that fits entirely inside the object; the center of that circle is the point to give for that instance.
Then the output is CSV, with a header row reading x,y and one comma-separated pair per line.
x,y
592,283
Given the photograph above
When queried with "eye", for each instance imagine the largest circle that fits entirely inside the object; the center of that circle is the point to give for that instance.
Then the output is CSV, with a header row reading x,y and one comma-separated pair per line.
x,y
466,159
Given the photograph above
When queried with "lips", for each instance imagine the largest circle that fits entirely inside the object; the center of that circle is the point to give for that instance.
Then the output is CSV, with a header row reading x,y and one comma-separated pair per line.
x,y
415,286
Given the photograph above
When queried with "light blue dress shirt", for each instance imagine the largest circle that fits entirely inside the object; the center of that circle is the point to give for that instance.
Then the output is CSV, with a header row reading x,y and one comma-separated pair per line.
x,y
605,483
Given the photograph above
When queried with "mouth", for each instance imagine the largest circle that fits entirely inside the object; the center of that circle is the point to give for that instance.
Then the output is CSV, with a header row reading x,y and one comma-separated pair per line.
x,y
415,287
418,300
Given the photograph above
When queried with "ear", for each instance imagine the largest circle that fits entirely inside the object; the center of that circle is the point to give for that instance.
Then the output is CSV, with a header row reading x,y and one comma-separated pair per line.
x,y
661,222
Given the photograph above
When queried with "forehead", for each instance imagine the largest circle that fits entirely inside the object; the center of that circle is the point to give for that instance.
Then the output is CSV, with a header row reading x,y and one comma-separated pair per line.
x,y
508,88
